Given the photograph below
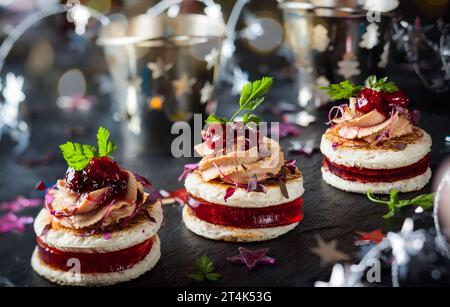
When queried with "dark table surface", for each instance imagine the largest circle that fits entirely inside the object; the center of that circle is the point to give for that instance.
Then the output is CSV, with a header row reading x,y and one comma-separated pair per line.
x,y
328,212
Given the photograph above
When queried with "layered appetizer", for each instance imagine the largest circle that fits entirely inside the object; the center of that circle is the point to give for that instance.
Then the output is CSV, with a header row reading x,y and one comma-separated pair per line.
x,y
243,189
373,142
99,224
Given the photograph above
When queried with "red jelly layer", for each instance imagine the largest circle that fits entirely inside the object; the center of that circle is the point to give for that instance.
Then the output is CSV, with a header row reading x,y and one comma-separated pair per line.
x,y
95,262
377,175
249,218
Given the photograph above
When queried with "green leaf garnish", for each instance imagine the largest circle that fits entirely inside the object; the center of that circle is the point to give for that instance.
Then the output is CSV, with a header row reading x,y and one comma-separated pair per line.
x,y
105,148
252,96
78,155
251,118
342,90
215,119
204,269
394,204
382,84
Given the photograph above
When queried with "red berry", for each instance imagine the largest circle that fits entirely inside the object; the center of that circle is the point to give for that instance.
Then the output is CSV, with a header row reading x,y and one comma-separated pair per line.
x,y
368,100
396,99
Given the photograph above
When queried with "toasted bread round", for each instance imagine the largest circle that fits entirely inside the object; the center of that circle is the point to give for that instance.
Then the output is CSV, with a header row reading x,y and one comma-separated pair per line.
x,y
406,185
65,239
359,154
97,279
231,234
214,192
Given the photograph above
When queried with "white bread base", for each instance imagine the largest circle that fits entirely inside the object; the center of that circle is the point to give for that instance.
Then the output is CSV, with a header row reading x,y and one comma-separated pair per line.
x,y
214,193
97,279
406,185
377,158
120,239
231,234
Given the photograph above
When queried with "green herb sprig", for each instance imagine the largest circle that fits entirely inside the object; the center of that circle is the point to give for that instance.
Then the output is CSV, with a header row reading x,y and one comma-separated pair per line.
x,y
347,89
204,269
342,90
78,155
252,96
394,204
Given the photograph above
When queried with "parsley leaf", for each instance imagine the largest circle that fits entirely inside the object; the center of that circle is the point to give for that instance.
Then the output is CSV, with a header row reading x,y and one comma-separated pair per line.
x,y
204,269
252,95
382,84
77,155
105,148
215,119
394,204
251,118
342,90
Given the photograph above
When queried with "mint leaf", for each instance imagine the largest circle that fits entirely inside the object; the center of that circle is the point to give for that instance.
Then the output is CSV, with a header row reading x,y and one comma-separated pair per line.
x,y
77,155
215,119
105,148
342,90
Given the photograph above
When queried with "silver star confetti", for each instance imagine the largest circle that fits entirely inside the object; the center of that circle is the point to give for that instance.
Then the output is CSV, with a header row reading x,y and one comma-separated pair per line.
x,y
206,92
159,68
183,85
328,252
212,58
79,15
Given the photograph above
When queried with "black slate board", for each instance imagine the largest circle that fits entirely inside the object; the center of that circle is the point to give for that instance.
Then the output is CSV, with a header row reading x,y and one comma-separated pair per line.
x,y
328,212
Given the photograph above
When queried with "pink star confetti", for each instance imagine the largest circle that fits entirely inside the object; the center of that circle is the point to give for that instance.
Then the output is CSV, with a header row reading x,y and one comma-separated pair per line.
x,y
20,203
252,257
375,236
11,222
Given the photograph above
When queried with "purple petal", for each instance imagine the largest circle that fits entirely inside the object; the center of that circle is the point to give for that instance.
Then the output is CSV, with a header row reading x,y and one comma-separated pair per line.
x,y
20,203
188,168
11,222
287,129
415,117
144,181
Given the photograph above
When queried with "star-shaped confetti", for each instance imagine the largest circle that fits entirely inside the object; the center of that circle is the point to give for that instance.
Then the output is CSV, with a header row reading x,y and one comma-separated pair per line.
x,y
159,68
212,58
328,252
206,92
183,85
375,236
252,257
